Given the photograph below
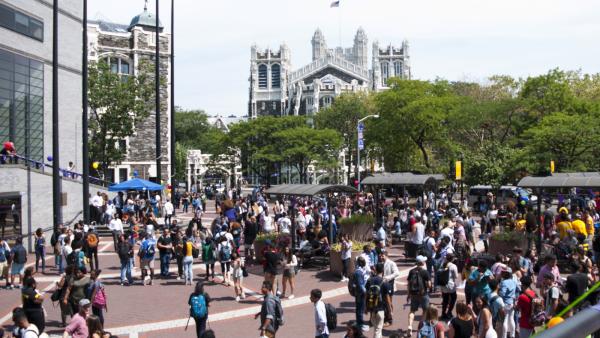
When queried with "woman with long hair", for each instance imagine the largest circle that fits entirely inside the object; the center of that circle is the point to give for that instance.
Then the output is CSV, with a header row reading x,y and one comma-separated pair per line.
x,y
462,325
95,327
199,302
237,275
289,271
485,327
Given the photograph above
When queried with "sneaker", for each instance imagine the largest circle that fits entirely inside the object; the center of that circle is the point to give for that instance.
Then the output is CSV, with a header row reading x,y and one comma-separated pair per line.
x,y
243,296
365,328
178,278
150,282
291,297
237,298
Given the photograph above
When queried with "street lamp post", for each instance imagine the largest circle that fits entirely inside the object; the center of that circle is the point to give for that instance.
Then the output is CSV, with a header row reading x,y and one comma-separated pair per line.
x,y
358,139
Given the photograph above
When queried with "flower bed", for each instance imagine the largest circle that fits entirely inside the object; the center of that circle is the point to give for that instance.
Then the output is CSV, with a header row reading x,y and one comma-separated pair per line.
x,y
504,242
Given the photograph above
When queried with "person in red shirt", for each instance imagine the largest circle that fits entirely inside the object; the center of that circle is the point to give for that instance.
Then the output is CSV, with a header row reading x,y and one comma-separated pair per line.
x,y
524,304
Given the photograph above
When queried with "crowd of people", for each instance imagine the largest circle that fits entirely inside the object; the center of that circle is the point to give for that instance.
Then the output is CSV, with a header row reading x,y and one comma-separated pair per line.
x,y
506,295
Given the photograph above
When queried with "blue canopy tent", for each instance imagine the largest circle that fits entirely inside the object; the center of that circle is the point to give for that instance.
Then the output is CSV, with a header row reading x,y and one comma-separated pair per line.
x,y
136,184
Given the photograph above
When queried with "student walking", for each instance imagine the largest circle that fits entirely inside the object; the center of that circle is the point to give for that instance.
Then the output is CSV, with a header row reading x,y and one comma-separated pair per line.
x,y
321,329
199,302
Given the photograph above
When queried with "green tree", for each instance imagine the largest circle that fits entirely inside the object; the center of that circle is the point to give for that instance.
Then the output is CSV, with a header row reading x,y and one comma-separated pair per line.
x,y
568,139
117,104
302,146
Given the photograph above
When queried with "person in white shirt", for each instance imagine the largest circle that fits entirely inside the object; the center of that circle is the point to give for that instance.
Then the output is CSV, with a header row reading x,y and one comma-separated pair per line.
x,y
381,235
321,329
116,226
23,328
169,208
390,273
284,224
109,212
346,256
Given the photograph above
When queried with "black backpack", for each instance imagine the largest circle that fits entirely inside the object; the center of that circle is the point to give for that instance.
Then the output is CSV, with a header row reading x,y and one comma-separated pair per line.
x,y
374,298
352,285
425,250
20,255
416,284
123,251
443,276
331,315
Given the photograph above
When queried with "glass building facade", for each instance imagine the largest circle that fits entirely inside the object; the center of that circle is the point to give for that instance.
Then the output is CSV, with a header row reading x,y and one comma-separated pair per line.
x,y
22,104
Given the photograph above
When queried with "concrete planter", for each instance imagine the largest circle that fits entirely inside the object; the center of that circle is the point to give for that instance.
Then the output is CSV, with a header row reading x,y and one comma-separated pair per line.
x,y
505,246
358,232
335,262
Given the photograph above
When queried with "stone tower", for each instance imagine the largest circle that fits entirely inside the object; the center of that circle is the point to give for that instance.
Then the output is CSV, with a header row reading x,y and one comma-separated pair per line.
x,y
269,70
360,48
319,46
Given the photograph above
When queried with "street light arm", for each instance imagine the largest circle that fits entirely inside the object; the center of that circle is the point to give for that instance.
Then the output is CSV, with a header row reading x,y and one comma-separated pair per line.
x,y
368,116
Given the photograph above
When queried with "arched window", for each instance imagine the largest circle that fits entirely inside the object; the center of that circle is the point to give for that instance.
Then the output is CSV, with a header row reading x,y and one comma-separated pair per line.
x,y
385,74
398,68
262,76
275,76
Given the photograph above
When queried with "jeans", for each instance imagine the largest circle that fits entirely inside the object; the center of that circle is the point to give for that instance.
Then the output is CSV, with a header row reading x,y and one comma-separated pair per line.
x,y
360,308
345,265
61,264
187,268
98,312
167,220
525,333
164,264
200,325
126,271
179,260
185,207
377,321
40,253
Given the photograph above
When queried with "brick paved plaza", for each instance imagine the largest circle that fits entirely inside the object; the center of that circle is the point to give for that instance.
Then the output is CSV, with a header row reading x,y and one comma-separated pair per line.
x,y
161,310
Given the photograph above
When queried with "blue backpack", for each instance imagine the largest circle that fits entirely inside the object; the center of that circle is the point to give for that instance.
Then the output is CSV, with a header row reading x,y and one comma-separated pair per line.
x,y
427,331
198,306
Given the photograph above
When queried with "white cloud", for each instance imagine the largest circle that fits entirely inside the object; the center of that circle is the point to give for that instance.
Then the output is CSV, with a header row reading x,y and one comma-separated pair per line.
x,y
450,39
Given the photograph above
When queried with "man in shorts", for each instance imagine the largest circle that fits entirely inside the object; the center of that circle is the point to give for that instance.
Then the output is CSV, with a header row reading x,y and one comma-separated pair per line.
x,y
19,258
418,284
146,253
4,254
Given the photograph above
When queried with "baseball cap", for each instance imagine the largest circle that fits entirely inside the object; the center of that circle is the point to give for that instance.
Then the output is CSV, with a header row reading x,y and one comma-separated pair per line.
x,y
421,259
84,302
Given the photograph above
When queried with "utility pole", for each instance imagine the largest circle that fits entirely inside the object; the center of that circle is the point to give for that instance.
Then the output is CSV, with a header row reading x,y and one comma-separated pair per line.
x,y
84,120
56,180
157,96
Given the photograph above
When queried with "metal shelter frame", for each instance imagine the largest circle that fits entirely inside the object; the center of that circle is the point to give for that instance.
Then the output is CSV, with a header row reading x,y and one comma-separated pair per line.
x,y
310,190
403,179
558,181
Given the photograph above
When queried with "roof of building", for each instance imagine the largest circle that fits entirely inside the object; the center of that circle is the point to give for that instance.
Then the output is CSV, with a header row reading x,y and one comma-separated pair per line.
x,y
110,26
309,189
145,19
402,179
570,180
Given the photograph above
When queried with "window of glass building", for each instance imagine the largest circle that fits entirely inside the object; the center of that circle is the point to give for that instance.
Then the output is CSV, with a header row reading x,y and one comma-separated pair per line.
x,y
21,23
22,104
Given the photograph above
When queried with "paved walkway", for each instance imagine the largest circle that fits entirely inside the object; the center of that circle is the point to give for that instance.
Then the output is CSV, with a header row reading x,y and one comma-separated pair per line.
x,y
161,310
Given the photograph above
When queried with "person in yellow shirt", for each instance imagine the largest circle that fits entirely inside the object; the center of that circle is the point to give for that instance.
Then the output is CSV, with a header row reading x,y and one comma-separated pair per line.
x,y
520,223
589,225
563,226
579,226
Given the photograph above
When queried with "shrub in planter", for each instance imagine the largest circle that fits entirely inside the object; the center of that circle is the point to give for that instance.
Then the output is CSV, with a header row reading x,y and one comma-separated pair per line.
x,y
276,239
504,242
359,227
335,257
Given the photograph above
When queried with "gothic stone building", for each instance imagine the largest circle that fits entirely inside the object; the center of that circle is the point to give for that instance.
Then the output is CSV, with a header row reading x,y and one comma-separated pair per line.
x,y
124,47
276,89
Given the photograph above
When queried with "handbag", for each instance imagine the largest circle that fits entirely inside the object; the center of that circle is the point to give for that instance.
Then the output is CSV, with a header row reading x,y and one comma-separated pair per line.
x,y
55,297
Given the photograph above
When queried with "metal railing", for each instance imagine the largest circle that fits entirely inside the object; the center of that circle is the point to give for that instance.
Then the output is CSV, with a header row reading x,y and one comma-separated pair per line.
x,y
41,166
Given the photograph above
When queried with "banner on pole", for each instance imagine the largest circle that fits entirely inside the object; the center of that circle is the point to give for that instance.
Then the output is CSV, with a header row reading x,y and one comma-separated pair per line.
x,y
552,167
361,144
458,168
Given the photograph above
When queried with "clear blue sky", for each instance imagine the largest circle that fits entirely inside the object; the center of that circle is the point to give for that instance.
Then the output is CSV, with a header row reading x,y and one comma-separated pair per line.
x,y
451,39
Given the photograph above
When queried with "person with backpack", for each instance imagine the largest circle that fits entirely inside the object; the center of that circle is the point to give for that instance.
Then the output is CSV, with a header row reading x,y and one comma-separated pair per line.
x,y
78,286
321,327
23,327
508,290
497,307
418,284
208,256
377,298
552,294
91,242
525,307
146,253
428,248
199,302
97,295
125,253
446,279
18,256
431,327
40,249
271,312
225,248
189,249
479,280
358,285
4,261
